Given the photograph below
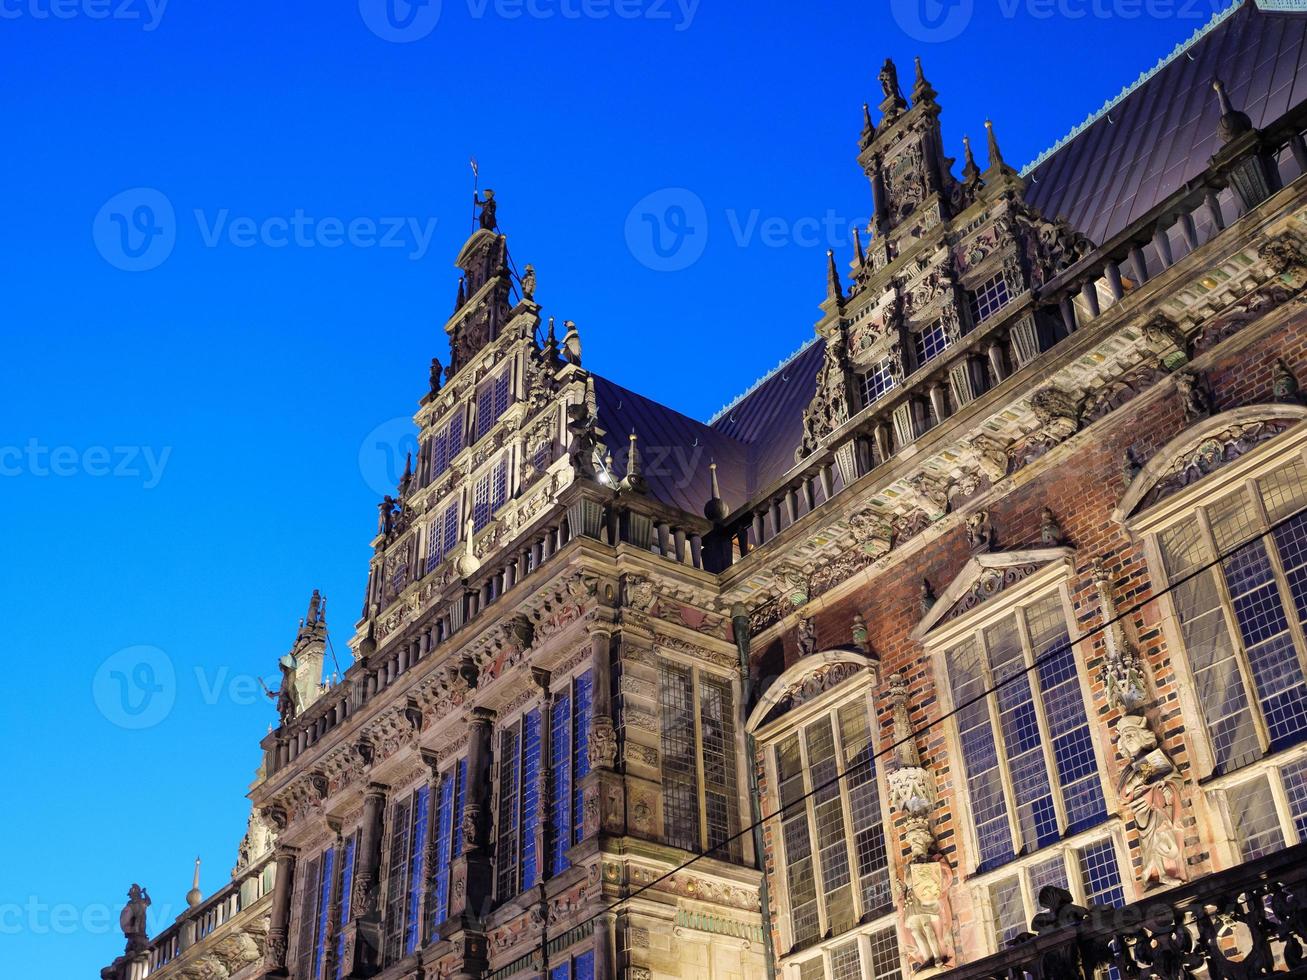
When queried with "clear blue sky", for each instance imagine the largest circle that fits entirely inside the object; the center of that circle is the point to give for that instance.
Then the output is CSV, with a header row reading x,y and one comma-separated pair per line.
x,y
181,447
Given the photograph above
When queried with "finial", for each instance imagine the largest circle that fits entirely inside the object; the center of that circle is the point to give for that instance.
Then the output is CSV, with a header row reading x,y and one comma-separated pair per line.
x,y
834,290
461,298
995,156
467,564
195,896
857,246
970,172
1233,122
715,509
868,127
633,482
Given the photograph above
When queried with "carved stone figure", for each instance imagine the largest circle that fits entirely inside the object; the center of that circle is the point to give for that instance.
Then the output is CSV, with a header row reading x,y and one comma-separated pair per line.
x,y
829,407
980,531
1050,531
1168,341
585,450
529,282
1149,784
603,743
1284,384
572,343
925,912
132,919
927,597
1195,400
889,85
437,372
806,635
1130,465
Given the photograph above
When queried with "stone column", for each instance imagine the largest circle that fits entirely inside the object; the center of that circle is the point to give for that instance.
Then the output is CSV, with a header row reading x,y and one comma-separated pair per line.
x,y
362,953
603,733
274,956
471,877
543,828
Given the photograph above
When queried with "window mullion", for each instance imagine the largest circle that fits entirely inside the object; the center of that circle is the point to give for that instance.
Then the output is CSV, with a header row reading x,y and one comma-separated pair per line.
x,y
701,795
846,813
1000,753
1046,740
1236,634
809,810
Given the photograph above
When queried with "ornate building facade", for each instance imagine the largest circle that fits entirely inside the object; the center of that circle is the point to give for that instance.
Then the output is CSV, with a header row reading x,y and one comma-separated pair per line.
x,y
978,649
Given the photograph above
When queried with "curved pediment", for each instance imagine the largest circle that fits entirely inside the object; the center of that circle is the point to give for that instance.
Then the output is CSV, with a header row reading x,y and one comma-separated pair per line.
x,y
807,679
1204,448
985,576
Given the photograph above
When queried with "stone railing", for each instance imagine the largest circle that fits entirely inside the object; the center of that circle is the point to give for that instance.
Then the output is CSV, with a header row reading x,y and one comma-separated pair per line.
x,y
1249,921
225,931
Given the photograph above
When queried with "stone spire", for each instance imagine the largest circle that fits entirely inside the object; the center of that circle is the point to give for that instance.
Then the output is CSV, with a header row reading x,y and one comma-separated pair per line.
x,y
834,290
857,247
921,89
996,160
868,128
195,896
715,509
483,306
308,652
970,172
634,481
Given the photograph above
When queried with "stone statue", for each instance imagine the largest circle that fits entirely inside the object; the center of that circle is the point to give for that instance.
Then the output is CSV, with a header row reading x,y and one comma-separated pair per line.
x,y
1150,786
1284,384
488,221
585,449
927,597
437,372
285,696
925,912
529,282
889,84
571,343
132,919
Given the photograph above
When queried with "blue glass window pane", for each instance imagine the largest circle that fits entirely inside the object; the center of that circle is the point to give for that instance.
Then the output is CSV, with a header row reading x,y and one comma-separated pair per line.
x,y
581,758
583,967
501,394
560,972
560,763
417,868
456,844
346,898
507,850
444,829
324,908
530,795
1099,872
485,410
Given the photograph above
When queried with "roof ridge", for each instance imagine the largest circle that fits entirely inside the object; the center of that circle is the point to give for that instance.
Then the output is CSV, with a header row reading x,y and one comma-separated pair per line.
x,y
734,402
1217,19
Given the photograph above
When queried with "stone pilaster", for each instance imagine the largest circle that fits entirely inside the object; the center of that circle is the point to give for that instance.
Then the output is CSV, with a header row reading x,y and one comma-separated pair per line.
x,y
361,956
274,956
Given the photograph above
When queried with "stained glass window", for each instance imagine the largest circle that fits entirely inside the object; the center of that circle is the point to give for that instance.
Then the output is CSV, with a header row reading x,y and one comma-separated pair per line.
x,y
582,700
489,494
988,298
447,830
929,344
1042,751
680,766
308,919
560,767
876,381
530,796
442,536
1255,821
577,968
447,444
324,909
1243,619
507,850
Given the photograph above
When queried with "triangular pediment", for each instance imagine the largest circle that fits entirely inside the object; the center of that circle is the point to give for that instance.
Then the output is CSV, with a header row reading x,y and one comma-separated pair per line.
x,y
986,576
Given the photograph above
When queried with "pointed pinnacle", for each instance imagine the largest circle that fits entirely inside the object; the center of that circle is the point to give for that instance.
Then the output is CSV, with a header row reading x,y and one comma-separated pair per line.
x,y
995,155
715,509
833,288
921,89
969,169
857,246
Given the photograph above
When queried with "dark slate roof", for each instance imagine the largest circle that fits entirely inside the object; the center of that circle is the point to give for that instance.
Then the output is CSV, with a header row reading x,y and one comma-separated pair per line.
x,y
769,418
675,450
1160,133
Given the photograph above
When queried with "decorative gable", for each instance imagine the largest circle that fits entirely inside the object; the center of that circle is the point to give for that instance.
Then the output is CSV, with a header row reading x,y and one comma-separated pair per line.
x,y
987,576
809,679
